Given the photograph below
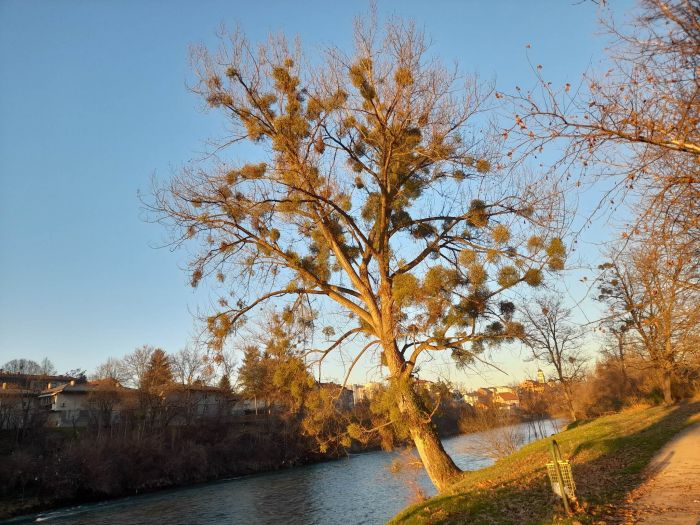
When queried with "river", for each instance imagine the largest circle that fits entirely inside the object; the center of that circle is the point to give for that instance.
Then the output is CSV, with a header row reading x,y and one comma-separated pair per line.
x,y
366,488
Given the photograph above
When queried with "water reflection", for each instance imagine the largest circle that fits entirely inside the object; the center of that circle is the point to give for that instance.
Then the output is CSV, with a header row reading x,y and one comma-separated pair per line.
x,y
363,489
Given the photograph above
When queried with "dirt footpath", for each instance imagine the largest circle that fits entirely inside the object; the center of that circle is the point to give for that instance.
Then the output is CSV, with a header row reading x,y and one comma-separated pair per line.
x,y
672,493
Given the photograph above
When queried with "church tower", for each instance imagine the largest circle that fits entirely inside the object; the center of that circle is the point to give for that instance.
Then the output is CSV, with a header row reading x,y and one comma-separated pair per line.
x,y
540,376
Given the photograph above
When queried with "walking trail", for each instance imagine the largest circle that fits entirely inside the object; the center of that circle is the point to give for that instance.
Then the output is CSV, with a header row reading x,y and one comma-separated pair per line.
x,y
671,496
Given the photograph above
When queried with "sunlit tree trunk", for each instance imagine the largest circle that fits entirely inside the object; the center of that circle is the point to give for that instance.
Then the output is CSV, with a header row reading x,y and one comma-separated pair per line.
x,y
666,375
437,462
666,387
569,401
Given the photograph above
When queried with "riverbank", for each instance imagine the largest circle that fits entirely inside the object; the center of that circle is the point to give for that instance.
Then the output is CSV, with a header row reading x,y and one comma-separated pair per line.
x,y
362,489
60,468
608,457
52,468
32,505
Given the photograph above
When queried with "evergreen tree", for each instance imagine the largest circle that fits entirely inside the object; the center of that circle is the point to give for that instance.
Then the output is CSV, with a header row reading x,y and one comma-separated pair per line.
x,y
159,373
276,374
225,383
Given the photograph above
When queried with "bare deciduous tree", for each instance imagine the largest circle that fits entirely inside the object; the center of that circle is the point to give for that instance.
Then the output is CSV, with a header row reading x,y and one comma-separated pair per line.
x,y
653,288
227,362
114,370
22,366
639,121
555,340
136,365
190,366
618,349
47,367
371,194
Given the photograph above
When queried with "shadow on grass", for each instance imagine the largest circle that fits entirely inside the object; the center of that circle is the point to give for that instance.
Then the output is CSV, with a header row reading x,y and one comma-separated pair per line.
x,y
608,462
579,423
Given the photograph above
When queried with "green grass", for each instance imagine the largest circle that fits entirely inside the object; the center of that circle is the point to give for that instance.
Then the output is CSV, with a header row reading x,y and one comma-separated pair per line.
x,y
608,456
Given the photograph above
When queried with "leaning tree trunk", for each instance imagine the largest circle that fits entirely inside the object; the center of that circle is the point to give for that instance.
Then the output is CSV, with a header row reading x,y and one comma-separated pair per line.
x,y
437,462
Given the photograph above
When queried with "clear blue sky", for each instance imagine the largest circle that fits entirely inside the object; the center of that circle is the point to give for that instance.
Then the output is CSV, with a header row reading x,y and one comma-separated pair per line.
x,y
93,102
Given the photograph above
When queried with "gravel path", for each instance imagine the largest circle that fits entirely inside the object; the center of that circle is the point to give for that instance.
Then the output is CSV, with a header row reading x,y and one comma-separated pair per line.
x,y
671,496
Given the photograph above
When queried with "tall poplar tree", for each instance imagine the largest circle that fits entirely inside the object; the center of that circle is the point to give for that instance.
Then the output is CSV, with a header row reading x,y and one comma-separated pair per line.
x,y
374,188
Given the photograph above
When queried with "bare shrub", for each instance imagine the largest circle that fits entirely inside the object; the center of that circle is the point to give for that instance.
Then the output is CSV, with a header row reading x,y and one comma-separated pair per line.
x,y
496,438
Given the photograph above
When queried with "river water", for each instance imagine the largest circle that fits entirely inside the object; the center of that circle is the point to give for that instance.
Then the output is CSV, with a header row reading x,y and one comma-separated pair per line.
x,y
366,488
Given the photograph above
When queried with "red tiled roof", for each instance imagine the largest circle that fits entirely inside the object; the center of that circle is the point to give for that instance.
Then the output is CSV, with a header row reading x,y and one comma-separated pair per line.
x,y
508,396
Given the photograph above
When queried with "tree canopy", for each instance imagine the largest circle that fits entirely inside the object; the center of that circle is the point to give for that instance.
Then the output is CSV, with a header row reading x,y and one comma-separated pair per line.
x,y
638,121
30,367
375,189
651,290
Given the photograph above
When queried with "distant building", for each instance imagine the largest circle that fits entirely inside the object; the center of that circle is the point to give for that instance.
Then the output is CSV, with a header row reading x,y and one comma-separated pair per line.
x,y
244,406
507,400
18,407
480,399
538,386
365,392
502,389
191,402
106,402
32,382
532,386
345,397
484,393
76,404
471,398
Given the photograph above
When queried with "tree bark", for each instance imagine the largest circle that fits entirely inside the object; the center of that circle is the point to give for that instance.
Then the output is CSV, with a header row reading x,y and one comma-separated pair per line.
x,y
666,386
569,402
441,470
623,367
437,462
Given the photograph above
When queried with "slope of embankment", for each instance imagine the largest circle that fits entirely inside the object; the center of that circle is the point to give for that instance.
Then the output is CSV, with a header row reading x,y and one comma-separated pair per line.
x,y
608,456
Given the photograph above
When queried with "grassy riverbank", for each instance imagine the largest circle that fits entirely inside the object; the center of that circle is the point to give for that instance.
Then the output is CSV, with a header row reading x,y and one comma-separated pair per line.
x,y
608,455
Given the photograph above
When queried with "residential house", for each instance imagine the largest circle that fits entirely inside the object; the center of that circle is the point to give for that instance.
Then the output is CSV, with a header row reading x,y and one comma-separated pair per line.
x,y
18,408
78,404
365,392
507,400
345,398
32,382
192,402
502,389
249,406
472,398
